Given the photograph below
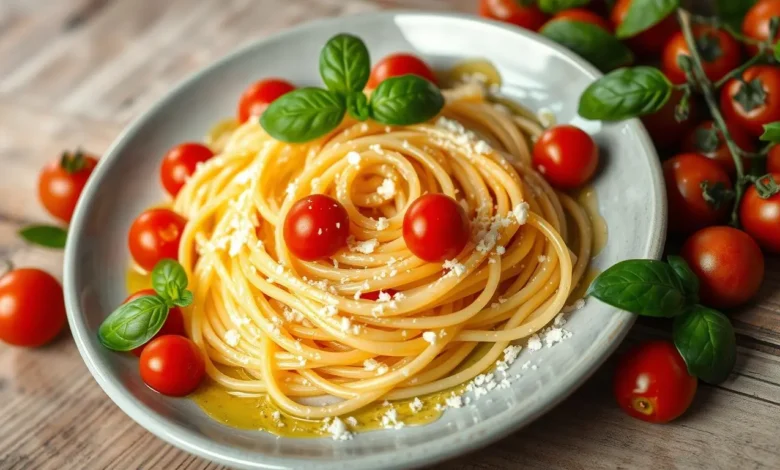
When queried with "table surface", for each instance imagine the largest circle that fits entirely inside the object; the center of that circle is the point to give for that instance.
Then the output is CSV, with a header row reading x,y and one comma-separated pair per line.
x,y
75,72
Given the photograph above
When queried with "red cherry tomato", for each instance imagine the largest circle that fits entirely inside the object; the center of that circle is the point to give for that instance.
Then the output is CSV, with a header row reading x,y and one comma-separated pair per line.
x,y
688,210
172,365
396,65
761,217
703,140
566,156
436,228
259,95
773,160
180,163
746,104
174,324
154,236
756,22
720,53
584,16
663,126
32,308
513,12
61,182
652,382
728,263
651,41
374,295
317,226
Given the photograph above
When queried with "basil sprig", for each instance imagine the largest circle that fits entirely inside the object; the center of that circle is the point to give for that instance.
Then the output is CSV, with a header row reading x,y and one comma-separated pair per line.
x,y
49,236
644,14
625,93
309,113
704,337
592,42
554,6
133,324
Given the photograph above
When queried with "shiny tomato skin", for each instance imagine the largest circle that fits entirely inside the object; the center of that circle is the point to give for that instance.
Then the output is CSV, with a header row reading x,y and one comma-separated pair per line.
x,y
688,211
154,236
650,42
760,217
566,156
513,12
721,154
753,119
664,129
172,365
728,263
721,61
584,16
773,160
316,227
59,186
756,22
174,324
436,228
399,64
32,307
652,382
180,162
259,95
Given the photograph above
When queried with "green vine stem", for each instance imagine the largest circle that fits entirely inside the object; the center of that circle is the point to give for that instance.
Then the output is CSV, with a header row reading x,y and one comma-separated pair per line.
x,y
758,58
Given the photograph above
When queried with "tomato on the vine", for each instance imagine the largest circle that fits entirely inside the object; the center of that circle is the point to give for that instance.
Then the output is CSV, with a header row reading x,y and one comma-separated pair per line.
x,y
755,25
259,95
584,16
688,209
759,212
706,139
174,324
172,365
399,64
753,100
180,162
652,382
663,127
436,228
773,160
317,226
61,182
32,307
566,156
720,53
651,41
728,263
514,12
154,236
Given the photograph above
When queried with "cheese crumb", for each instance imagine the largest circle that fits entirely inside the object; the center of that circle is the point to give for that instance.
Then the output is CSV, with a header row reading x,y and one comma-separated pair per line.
x,y
232,337
390,420
353,158
430,337
338,430
534,343
454,401
352,421
366,247
454,267
521,213
382,223
482,147
386,189
416,405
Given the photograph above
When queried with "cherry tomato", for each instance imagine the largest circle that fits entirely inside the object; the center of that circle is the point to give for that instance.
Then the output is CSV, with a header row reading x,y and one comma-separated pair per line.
x,y
584,16
174,324
566,156
32,308
720,53
172,365
663,126
317,226
651,41
374,295
259,95
513,12
396,65
773,160
728,263
180,163
436,228
652,382
761,217
756,101
154,236
707,140
61,182
688,210
756,22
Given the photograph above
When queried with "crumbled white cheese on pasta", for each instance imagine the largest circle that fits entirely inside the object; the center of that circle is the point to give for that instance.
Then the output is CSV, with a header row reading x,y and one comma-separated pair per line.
x,y
386,189
416,405
382,223
366,247
232,337
521,213
430,337
353,158
338,430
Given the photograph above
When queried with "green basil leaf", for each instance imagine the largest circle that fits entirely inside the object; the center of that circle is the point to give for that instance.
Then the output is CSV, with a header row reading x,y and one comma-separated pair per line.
x,y
185,300
771,131
644,14
625,93
707,343
776,51
169,280
645,287
592,42
357,105
405,100
554,6
732,12
303,115
690,282
45,235
345,64
134,323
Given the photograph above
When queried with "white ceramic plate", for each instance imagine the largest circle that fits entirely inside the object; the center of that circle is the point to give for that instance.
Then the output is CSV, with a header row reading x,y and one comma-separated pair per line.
x,y
535,71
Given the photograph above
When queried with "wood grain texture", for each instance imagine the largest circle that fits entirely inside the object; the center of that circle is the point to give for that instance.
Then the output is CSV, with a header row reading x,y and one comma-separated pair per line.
x,y
74,72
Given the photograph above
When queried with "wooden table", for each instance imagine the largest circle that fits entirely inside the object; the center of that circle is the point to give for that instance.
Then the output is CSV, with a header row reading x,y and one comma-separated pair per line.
x,y
74,72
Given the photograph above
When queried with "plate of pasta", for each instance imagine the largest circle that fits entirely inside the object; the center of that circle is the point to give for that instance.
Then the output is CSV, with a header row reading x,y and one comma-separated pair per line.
x,y
362,243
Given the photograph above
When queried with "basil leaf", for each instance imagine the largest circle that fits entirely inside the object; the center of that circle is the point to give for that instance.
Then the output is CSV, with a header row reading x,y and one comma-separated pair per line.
x,y
690,282
733,11
169,280
134,323
776,51
303,115
357,105
345,64
45,235
625,93
771,131
554,6
405,100
645,287
644,14
185,300
592,42
707,343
